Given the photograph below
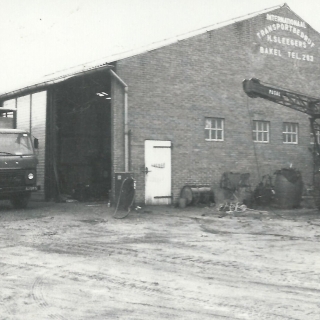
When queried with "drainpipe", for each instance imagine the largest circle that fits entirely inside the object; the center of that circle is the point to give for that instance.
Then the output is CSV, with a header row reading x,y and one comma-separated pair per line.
x,y
126,132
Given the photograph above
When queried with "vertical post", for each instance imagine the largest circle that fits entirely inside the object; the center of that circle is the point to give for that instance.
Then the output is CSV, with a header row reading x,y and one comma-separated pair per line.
x,y
15,115
126,133
30,122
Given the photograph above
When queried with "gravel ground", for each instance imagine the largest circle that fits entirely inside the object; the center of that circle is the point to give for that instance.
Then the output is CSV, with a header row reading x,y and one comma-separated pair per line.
x,y
75,261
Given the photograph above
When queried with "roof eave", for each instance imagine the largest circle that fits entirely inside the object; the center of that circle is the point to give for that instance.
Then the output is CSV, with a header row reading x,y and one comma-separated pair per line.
x,y
44,85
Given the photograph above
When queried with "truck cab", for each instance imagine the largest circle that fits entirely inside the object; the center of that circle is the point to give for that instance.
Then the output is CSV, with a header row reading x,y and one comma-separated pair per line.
x,y
18,163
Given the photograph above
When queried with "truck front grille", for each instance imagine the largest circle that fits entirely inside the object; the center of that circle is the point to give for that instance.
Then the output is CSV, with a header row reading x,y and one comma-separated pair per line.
x,y
11,178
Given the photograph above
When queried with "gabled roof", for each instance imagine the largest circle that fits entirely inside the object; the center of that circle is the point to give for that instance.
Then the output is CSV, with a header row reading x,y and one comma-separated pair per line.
x,y
104,62
165,42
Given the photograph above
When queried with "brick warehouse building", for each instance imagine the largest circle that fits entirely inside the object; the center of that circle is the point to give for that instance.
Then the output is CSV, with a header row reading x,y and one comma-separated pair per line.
x,y
175,113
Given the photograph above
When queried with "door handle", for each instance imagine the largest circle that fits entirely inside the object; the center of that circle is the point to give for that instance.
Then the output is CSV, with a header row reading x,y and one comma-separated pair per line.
x,y
147,170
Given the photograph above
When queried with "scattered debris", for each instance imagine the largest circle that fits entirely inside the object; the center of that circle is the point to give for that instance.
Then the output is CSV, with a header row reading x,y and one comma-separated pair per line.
x,y
233,207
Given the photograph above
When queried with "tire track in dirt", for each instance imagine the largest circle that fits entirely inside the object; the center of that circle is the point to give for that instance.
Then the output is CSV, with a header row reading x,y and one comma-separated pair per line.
x,y
182,261
121,283
160,293
227,270
220,306
224,273
96,248
39,291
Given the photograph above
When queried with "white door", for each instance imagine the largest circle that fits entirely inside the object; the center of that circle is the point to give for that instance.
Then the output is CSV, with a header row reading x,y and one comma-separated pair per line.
x,y
157,172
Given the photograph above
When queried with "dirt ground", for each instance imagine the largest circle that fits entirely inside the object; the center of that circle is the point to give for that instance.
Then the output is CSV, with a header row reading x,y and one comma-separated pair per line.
x,y
75,261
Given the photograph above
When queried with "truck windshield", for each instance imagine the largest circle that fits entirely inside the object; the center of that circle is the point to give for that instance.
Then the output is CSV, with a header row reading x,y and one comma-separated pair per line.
x,y
15,144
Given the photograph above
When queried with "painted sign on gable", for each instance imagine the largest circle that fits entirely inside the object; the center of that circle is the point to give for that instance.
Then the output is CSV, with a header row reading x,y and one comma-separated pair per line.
x,y
289,33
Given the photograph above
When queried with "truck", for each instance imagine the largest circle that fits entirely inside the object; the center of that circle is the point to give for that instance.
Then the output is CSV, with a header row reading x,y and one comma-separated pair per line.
x,y
298,101
18,165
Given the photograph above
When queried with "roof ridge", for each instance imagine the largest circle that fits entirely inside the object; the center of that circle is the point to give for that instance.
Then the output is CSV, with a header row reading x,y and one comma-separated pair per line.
x,y
116,56
177,38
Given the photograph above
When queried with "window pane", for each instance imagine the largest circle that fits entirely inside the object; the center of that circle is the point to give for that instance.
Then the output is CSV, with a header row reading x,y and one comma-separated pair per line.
x,y
214,134
213,123
266,126
265,136
219,133
208,123
207,134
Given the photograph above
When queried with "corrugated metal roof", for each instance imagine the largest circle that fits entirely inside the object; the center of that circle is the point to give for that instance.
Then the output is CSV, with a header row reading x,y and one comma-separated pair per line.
x,y
103,62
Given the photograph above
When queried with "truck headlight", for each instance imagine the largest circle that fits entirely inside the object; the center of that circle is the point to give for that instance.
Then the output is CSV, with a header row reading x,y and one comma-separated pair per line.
x,y
30,176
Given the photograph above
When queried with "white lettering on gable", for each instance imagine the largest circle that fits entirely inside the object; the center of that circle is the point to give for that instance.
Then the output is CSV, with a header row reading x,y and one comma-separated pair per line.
x,y
287,41
291,54
272,17
270,51
288,25
285,27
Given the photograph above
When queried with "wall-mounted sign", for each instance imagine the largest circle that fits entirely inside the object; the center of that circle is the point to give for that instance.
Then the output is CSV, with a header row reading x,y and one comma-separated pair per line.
x,y
296,37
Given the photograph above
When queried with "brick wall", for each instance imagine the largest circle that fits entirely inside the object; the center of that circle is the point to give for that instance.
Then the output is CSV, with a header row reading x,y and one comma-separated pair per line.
x,y
172,89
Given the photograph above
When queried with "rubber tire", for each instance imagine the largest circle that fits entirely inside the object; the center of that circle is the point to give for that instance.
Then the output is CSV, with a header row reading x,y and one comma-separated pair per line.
x,y
20,201
316,190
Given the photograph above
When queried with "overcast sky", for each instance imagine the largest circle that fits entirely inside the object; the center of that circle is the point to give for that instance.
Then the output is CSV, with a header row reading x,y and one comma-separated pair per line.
x,y
39,37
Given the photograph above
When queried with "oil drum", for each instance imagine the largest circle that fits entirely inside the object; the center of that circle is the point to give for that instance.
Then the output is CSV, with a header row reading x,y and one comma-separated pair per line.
x,y
288,188
197,194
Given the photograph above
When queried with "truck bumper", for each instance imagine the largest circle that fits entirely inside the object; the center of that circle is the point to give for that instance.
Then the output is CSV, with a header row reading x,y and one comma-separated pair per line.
x,y
7,192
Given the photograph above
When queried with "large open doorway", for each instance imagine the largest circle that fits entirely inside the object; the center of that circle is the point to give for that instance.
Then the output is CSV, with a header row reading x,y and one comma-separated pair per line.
x,y
82,137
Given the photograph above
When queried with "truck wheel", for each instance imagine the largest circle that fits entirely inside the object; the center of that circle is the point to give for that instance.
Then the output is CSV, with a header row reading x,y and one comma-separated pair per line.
x,y
316,190
20,201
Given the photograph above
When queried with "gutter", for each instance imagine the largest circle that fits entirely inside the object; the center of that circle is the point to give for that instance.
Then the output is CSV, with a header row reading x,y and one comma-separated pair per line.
x,y
126,132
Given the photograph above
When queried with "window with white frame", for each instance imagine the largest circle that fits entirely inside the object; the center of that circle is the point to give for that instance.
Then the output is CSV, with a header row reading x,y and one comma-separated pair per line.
x,y
290,133
312,136
261,131
214,129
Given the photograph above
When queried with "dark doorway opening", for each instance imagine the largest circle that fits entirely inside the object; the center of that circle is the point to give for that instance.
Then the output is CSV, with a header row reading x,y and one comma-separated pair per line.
x,y
83,137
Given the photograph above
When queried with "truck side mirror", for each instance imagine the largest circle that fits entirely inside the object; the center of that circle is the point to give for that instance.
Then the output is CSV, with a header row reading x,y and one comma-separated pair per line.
x,y
36,143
